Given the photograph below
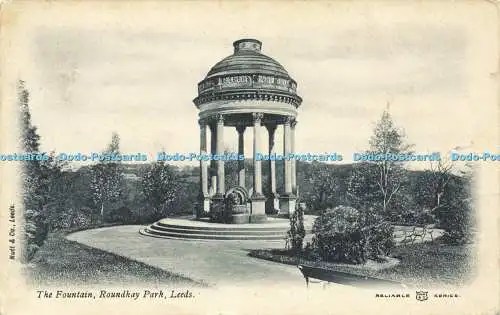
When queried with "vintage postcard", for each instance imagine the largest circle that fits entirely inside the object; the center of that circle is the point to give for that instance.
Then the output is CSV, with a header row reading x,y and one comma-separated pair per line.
x,y
249,157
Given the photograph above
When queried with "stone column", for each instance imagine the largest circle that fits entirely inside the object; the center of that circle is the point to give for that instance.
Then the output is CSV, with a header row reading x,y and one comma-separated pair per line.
x,y
286,151
204,201
241,151
258,199
257,173
294,161
272,202
287,205
220,151
213,174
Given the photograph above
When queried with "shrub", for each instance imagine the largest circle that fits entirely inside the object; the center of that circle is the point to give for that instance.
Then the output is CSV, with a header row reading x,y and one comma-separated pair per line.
x,y
71,218
379,234
344,234
35,232
297,232
30,251
63,222
81,220
310,253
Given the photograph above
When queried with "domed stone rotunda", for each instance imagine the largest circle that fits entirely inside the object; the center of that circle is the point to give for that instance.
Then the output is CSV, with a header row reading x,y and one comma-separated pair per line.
x,y
247,90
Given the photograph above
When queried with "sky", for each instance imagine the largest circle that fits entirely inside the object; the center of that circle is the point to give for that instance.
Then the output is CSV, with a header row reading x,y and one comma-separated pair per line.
x,y
138,79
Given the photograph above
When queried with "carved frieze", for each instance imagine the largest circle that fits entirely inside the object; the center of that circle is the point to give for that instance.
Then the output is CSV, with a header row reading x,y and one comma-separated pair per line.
x,y
247,81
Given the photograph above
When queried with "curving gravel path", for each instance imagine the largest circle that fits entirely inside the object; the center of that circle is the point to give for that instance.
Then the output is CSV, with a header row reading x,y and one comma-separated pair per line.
x,y
213,262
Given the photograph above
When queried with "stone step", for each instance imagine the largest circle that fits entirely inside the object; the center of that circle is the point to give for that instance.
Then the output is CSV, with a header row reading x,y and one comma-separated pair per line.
x,y
189,230
228,227
168,234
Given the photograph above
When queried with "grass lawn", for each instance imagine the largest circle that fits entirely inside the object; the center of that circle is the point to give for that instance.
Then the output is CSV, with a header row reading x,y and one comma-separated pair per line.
x,y
421,264
60,261
428,263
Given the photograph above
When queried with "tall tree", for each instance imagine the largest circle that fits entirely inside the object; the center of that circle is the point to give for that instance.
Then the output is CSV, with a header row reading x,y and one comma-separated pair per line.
x,y
382,180
33,189
107,176
440,174
388,139
30,142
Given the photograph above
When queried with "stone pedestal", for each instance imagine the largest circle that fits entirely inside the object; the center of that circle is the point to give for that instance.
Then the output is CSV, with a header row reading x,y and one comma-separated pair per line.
x,y
258,214
287,204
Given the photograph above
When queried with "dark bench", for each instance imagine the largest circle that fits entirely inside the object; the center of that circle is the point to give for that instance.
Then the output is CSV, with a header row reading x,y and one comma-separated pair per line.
x,y
328,275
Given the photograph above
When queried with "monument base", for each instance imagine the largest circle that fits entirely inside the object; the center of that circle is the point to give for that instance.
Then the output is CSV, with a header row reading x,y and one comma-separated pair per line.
x,y
258,209
287,204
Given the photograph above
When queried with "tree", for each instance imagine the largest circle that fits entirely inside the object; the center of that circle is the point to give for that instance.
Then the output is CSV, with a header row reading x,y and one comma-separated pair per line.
x,y
59,189
430,188
30,142
388,139
34,191
107,176
160,184
382,180
456,215
446,195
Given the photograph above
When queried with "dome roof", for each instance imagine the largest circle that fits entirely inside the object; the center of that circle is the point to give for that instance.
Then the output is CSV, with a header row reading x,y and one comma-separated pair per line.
x,y
247,74
247,58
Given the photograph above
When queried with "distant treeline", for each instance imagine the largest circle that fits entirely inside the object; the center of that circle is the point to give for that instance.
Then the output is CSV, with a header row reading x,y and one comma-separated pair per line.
x,y
321,186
